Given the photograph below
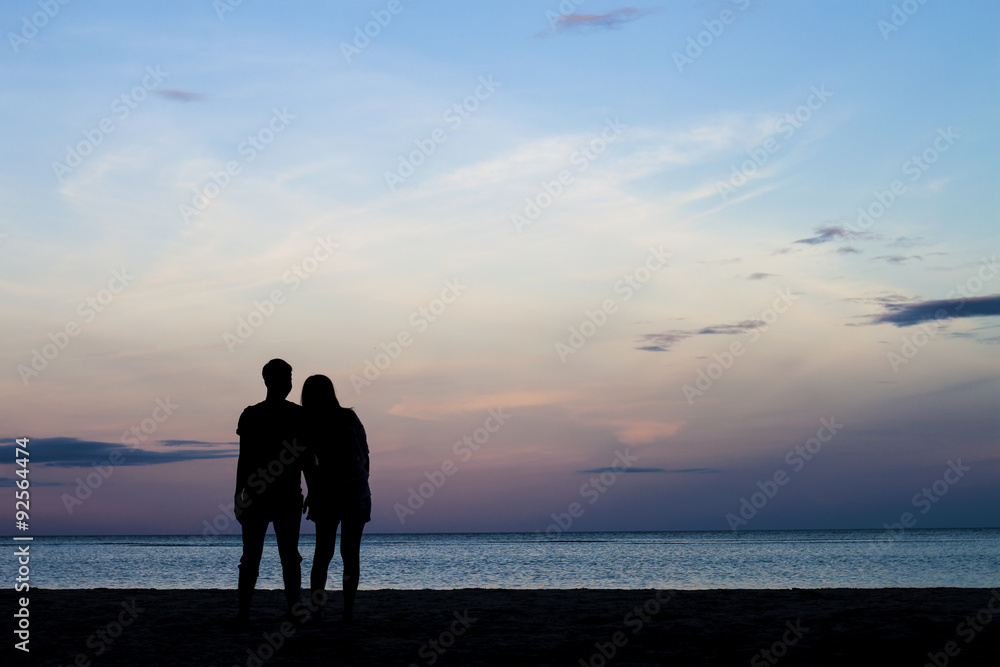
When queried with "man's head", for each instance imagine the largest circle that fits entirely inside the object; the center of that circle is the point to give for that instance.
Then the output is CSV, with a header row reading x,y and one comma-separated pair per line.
x,y
277,378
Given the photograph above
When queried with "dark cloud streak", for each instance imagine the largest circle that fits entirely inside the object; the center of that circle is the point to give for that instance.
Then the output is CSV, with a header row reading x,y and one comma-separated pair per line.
x,y
76,453
905,315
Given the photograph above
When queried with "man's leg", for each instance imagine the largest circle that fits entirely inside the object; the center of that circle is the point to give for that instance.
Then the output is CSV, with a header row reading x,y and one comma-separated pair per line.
x,y
286,531
254,530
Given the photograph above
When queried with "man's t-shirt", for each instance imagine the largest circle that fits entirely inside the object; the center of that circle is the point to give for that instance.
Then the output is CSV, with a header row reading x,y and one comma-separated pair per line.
x,y
270,464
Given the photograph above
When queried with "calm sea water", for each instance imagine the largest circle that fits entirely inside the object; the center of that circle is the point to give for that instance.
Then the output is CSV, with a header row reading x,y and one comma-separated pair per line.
x,y
677,560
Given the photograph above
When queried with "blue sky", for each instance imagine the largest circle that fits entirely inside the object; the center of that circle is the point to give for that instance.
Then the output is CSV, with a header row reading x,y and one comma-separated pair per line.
x,y
586,237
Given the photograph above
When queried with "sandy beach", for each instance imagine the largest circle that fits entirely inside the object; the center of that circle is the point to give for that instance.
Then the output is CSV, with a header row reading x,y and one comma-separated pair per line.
x,y
523,627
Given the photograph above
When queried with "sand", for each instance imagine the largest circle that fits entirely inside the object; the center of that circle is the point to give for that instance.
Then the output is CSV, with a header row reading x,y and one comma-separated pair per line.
x,y
520,627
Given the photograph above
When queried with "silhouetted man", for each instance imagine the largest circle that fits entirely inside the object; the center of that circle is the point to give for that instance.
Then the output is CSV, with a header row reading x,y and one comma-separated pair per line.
x,y
268,485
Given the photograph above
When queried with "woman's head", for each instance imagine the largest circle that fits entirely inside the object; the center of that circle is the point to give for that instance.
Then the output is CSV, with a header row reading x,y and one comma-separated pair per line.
x,y
318,393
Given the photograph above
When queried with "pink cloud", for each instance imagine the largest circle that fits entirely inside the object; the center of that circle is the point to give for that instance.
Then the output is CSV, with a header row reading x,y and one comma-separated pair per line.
x,y
611,20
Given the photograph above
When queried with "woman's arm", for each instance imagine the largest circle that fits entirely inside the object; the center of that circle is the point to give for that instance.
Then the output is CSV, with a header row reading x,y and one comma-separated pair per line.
x,y
363,444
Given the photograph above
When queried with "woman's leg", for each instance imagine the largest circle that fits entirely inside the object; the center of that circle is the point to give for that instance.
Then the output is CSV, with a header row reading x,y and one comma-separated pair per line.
x,y
326,546
350,551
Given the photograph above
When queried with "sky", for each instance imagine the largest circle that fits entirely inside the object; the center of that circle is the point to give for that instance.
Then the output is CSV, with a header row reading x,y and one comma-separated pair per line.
x,y
577,266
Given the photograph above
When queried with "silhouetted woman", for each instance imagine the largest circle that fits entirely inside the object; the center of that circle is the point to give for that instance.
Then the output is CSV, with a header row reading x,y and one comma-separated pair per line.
x,y
336,470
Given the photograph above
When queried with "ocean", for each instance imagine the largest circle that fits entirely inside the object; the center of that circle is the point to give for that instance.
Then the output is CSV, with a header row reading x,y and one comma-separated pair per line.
x,y
967,558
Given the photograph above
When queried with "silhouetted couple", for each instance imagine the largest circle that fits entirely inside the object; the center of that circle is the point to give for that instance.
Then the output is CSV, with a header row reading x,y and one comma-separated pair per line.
x,y
279,441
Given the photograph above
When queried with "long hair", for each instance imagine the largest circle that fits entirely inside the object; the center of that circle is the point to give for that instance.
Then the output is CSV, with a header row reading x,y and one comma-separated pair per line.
x,y
323,411
318,396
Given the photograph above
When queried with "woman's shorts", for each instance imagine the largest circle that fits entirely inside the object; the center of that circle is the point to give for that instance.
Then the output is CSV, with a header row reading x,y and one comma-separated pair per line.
x,y
339,511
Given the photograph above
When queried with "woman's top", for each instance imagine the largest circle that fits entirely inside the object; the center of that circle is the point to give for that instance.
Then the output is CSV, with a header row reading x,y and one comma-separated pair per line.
x,y
336,458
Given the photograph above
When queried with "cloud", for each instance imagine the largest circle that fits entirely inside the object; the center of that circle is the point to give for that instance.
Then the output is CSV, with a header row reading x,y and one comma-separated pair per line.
x,y
662,342
199,443
729,329
905,315
848,250
898,259
885,299
829,233
701,471
76,453
761,276
907,242
179,95
610,21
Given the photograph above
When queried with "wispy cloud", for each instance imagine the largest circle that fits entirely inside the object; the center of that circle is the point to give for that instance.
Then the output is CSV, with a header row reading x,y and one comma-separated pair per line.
x,y
587,22
886,300
700,471
904,315
897,259
179,95
729,329
760,276
829,233
907,242
662,342
75,453
198,443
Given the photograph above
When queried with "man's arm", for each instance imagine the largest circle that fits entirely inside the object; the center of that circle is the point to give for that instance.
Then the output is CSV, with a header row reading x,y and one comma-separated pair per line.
x,y
242,467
